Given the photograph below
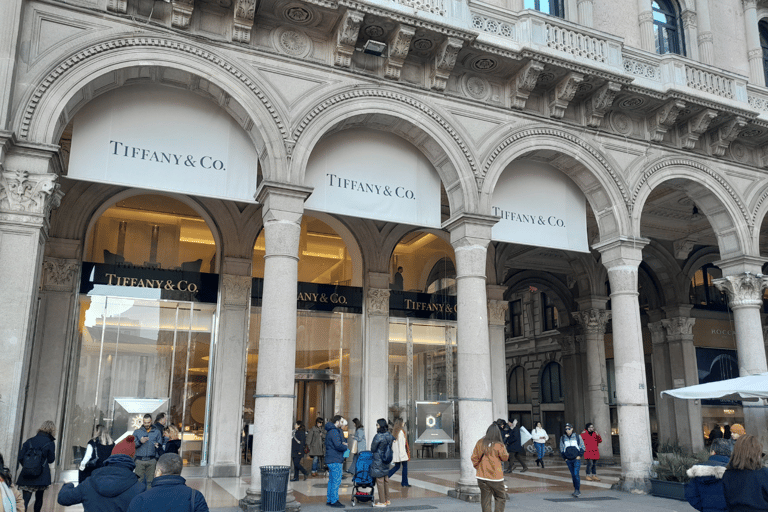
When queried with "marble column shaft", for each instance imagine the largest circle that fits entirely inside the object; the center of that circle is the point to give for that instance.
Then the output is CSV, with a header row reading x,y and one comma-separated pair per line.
x,y
10,24
585,8
645,20
754,49
376,353
496,320
705,39
662,380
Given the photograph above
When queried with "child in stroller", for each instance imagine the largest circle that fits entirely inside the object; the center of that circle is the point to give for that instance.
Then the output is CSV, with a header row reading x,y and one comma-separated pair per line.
x,y
362,483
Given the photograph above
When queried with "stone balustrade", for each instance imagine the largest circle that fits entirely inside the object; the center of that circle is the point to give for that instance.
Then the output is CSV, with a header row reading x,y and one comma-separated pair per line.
x,y
707,81
576,43
758,100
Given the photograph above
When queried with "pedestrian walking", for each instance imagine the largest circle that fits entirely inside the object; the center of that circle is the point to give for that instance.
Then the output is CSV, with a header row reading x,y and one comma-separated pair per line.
x,y
401,452
745,481
591,451
109,488
11,499
335,446
35,455
169,491
539,437
572,449
149,441
487,458
381,447
316,443
704,491
358,444
515,446
298,450
97,451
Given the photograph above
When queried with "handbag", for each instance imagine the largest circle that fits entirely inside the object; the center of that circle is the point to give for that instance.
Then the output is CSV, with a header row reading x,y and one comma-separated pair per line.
x,y
353,446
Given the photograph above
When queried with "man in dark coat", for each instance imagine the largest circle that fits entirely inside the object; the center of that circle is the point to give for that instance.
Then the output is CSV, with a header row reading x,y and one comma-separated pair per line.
x,y
515,448
169,492
335,446
109,489
705,490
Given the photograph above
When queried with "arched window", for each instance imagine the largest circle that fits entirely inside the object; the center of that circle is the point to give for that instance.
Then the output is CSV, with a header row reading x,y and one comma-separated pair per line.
x,y
517,387
442,278
666,27
553,7
763,28
551,384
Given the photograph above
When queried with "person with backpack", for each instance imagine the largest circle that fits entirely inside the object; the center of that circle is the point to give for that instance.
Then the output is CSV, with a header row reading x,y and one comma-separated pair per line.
x,y
99,448
571,449
10,497
35,455
381,447
335,446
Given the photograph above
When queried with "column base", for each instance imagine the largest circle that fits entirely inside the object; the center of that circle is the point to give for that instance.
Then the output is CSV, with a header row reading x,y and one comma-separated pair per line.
x,y
252,503
632,485
470,493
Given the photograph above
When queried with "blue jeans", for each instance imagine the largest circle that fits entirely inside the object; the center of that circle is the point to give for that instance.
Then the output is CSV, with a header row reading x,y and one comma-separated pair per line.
x,y
396,467
541,449
574,466
317,463
334,481
591,464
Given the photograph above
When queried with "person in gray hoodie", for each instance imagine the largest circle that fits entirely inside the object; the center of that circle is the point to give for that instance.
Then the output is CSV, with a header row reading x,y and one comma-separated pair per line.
x,y
109,488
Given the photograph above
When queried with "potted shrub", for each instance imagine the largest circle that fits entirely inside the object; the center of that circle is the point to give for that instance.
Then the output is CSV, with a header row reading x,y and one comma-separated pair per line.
x,y
670,471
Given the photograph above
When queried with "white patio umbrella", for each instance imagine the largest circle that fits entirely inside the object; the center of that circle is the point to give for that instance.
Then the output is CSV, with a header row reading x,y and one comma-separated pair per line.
x,y
750,388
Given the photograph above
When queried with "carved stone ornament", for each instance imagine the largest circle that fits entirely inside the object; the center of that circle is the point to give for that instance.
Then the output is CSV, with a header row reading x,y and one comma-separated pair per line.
x,y
664,118
245,11
593,320
743,290
398,46
657,333
724,134
182,13
697,125
678,326
524,82
378,302
119,6
60,275
689,19
445,60
237,290
24,192
683,248
563,93
497,312
600,103
346,37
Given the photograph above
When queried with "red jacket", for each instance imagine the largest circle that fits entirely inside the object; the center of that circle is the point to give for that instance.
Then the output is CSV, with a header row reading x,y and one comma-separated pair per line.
x,y
590,443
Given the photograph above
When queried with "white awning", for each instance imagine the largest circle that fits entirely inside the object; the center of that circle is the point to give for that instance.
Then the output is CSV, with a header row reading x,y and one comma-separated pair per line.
x,y
750,388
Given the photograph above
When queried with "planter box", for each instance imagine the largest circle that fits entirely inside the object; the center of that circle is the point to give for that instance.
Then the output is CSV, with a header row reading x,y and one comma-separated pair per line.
x,y
665,489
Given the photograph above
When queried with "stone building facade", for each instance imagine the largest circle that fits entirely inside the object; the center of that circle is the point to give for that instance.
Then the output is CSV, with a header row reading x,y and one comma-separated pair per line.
x,y
656,113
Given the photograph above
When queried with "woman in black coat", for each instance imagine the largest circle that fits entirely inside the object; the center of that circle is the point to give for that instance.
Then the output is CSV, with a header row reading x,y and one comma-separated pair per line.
x,y
99,448
379,468
37,479
298,446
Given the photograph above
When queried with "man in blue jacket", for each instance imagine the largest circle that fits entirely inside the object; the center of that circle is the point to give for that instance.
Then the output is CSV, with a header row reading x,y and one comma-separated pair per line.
x,y
148,441
109,489
705,490
169,491
335,446
571,449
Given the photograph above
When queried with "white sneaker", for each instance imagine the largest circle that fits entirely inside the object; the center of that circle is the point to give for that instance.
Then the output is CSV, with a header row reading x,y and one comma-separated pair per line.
x,y
379,504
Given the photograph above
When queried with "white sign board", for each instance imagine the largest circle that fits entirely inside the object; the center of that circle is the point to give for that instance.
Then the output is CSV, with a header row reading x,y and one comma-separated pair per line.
x,y
540,206
160,138
374,175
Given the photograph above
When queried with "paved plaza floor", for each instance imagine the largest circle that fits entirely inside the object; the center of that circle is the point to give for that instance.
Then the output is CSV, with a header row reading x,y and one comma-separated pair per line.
x,y
537,490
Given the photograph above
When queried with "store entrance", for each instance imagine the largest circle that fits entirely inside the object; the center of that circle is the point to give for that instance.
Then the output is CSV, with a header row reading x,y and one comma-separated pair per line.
x,y
315,392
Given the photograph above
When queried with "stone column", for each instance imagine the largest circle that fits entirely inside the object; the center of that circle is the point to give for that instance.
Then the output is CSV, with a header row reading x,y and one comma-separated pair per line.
x,y
376,353
754,50
622,257
662,380
573,374
229,361
593,321
10,24
585,8
645,22
684,372
497,308
282,209
28,192
470,235
706,45
691,31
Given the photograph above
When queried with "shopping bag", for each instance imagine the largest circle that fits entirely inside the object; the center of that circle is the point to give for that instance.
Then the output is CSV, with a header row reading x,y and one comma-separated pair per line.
x,y
525,436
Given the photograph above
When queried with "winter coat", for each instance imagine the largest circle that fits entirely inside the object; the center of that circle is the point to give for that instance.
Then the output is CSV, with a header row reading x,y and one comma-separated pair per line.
x,y
378,446
148,449
591,440
110,488
172,446
705,490
15,495
488,467
44,442
169,493
298,443
400,448
746,490
513,441
539,435
335,446
316,441
571,446
360,436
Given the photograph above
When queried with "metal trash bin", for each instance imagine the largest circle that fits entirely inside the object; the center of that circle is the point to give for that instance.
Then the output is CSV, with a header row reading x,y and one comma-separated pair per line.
x,y
274,488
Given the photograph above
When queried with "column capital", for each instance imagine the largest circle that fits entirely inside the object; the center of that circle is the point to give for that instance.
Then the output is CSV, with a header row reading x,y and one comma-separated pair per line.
x,y
749,4
236,290
496,312
26,193
468,229
593,320
282,201
744,290
679,327
60,274
658,334
621,252
378,302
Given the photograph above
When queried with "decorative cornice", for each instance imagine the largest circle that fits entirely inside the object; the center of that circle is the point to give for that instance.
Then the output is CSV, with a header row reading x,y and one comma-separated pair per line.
x,y
30,193
236,290
181,13
444,62
600,102
133,42
695,127
60,275
593,321
726,133
378,302
743,290
346,36
524,82
245,10
663,119
497,312
397,46
562,94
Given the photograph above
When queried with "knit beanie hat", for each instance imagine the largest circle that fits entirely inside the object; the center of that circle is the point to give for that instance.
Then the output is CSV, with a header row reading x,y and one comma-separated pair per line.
x,y
126,447
738,429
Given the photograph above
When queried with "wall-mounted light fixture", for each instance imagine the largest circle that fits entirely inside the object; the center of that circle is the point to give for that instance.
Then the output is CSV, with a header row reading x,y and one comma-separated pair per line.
x,y
376,48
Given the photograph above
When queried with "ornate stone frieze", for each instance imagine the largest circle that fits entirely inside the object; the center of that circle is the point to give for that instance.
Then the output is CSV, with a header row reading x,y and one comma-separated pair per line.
x,y
663,119
398,45
743,290
563,93
24,192
378,301
60,275
695,127
683,247
524,82
245,10
346,37
678,326
723,135
181,12
497,312
236,290
600,103
445,60
593,320
119,6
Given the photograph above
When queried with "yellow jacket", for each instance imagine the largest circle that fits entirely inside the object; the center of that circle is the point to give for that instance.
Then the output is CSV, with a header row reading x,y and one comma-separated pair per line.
x,y
489,466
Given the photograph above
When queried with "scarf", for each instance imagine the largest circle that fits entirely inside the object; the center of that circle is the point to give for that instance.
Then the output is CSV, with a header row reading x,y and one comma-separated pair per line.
x,y
8,499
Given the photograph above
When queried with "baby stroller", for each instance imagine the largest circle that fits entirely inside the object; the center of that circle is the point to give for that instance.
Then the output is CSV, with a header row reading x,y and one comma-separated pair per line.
x,y
362,483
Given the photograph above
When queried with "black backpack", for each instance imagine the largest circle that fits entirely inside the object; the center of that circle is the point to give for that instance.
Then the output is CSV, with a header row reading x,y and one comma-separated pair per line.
x,y
32,463
387,458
